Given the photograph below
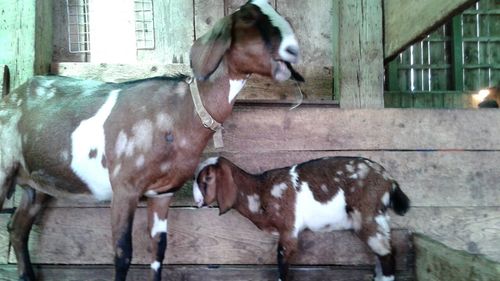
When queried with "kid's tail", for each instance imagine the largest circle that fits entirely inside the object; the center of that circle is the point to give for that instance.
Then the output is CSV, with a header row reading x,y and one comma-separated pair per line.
x,y
6,81
400,203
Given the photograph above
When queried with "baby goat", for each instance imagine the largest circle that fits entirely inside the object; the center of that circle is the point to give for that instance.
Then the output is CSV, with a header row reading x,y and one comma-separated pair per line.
x,y
331,193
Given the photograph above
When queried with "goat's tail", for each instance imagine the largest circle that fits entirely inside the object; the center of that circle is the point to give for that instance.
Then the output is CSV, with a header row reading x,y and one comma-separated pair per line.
x,y
400,203
6,82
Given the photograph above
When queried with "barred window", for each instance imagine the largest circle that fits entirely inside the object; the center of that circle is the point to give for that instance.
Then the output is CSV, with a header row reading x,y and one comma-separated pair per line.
x,y
144,24
78,26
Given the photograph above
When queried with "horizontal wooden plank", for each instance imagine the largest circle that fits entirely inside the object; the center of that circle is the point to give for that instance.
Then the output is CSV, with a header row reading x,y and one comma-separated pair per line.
x,y
205,273
429,178
407,21
82,236
318,85
258,129
437,262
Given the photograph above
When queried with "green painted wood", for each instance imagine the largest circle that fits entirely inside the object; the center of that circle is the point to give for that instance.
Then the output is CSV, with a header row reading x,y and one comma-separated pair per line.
x,y
456,54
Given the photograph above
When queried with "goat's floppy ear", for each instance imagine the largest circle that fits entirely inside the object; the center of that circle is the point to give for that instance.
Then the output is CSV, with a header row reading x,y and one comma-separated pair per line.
x,y
226,189
208,50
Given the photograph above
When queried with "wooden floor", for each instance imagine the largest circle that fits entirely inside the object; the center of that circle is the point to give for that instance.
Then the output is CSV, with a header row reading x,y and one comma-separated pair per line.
x,y
202,273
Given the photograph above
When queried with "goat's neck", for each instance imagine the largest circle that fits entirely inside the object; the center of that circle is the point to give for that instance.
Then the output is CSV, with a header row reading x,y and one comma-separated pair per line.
x,y
249,193
219,92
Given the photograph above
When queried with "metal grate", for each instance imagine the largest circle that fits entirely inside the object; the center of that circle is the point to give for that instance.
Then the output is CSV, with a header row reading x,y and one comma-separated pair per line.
x,y
144,24
78,26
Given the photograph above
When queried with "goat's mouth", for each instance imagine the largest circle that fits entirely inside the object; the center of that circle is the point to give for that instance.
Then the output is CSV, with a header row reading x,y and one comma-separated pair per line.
x,y
283,70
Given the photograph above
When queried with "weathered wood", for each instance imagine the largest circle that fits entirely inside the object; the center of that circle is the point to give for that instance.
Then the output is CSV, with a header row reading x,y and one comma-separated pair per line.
x,y
205,273
436,262
318,85
81,236
406,22
17,39
174,33
259,129
60,35
359,69
43,37
4,239
117,72
206,14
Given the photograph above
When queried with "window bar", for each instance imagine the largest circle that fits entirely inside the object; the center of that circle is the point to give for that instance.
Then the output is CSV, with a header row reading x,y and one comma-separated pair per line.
x,y
78,26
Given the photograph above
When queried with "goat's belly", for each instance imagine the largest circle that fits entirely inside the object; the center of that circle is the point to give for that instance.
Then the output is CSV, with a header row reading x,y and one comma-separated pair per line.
x,y
316,216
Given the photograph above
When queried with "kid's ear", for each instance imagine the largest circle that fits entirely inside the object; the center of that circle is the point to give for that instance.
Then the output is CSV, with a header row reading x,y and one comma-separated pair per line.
x,y
226,189
208,50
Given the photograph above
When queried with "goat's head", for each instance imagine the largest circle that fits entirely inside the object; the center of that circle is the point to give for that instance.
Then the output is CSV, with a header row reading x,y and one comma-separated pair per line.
x,y
254,39
214,181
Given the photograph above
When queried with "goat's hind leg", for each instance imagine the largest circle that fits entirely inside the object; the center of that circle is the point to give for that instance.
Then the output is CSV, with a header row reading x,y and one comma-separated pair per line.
x,y
376,234
32,202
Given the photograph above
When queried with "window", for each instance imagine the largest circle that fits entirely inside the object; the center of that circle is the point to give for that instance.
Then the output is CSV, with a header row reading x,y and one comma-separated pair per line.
x,y
78,26
455,61
144,24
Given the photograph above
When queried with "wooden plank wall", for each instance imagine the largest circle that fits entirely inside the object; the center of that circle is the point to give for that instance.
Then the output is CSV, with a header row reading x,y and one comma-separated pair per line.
x,y
178,23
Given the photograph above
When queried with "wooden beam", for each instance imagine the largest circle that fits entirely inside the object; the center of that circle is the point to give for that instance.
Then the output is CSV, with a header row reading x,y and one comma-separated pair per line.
x,y
359,68
406,22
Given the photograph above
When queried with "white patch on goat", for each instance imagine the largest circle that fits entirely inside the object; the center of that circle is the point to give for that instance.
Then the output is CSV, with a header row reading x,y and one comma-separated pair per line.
x,y
318,216
159,225
340,173
379,244
121,143
116,170
64,155
384,278
349,168
294,177
197,195
90,170
164,166
336,179
385,199
324,188
287,35
363,170
235,87
139,162
155,266
164,122
383,224
278,189
143,135
253,203
357,220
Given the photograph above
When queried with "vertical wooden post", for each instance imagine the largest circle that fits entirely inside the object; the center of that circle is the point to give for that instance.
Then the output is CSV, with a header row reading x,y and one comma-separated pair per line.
x,y
359,55
457,65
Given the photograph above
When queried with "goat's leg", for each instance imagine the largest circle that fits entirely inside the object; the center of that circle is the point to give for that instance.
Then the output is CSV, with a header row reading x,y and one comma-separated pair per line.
x,y
157,226
286,249
376,234
32,202
123,206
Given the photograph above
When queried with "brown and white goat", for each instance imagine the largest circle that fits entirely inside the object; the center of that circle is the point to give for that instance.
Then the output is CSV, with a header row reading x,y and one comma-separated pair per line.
x,y
64,137
332,193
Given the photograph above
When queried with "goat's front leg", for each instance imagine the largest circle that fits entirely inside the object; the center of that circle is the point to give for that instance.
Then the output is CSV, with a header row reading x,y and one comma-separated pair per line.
x,y
286,249
123,206
157,226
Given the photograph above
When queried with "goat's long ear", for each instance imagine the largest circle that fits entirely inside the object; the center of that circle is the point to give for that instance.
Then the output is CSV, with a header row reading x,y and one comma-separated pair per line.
x,y
226,189
208,50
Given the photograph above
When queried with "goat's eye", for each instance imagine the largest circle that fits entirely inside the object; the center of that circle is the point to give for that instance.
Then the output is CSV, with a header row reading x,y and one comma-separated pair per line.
x,y
208,178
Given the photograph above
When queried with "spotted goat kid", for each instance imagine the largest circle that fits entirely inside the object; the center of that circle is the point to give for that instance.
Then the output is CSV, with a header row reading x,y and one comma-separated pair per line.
x,y
65,137
327,194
